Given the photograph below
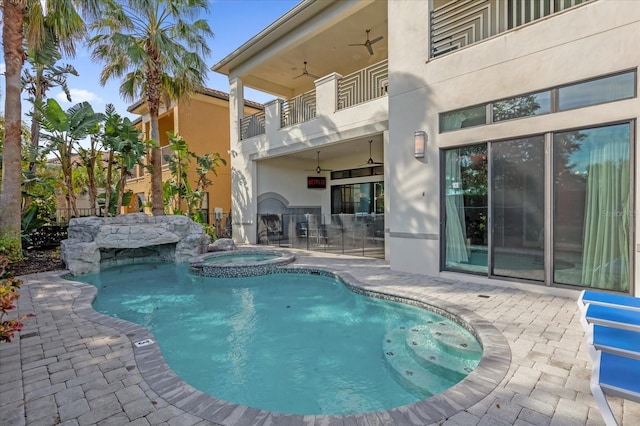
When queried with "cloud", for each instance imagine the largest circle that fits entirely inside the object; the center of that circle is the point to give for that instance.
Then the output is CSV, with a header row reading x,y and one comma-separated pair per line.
x,y
79,95
3,68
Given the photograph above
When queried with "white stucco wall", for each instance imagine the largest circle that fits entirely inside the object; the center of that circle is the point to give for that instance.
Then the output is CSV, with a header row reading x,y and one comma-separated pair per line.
x,y
591,40
288,178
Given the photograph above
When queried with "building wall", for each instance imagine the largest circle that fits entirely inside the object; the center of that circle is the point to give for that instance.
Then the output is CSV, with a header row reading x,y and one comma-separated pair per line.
x,y
203,122
205,127
591,40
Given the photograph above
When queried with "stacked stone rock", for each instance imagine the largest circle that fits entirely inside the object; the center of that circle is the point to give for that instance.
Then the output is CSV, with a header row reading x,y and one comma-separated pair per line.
x,y
131,237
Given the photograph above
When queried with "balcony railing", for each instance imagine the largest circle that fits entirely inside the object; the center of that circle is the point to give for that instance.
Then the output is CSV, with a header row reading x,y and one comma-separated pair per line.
x,y
364,85
299,109
457,23
334,92
252,125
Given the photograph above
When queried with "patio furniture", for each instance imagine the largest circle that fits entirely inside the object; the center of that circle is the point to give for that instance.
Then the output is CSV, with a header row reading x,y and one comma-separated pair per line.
x,y
613,340
611,317
607,299
614,375
612,325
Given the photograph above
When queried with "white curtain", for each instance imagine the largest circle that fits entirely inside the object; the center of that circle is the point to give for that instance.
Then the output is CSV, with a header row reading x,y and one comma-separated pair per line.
x,y
455,229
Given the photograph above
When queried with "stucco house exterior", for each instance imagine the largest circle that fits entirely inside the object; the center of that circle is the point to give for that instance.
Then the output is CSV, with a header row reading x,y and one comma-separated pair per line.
x,y
203,122
495,139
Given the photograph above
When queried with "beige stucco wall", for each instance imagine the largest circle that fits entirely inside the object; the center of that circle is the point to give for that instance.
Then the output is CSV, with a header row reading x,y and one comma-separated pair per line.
x,y
591,40
203,122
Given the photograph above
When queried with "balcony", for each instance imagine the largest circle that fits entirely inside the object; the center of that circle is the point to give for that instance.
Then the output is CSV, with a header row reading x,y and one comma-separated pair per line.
x,y
456,24
333,95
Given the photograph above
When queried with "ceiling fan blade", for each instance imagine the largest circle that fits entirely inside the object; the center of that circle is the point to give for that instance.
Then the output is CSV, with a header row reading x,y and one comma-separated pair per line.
x,y
375,40
370,49
357,44
312,75
298,76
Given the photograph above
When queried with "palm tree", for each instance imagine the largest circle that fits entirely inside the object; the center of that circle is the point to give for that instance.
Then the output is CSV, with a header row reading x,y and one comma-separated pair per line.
x,y
37,81
126,150
63,130
156,47
23,24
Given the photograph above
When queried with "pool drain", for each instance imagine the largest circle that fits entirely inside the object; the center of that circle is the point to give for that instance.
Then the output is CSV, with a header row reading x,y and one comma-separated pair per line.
x,y
145,342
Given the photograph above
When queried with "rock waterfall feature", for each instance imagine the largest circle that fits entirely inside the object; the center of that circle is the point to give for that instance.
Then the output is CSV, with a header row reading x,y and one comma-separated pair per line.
x,y
128,238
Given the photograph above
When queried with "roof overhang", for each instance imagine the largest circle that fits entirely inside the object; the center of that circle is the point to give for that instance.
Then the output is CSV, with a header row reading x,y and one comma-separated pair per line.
x,y
318,32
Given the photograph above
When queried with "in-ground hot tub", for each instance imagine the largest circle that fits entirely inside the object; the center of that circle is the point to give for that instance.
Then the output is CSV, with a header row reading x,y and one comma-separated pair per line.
x,y
240,263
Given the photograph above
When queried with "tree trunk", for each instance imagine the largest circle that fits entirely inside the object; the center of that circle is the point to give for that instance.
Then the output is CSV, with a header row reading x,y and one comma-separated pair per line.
x,y
92,187
35,136
121,184
107,192
13,15
68,181
157,208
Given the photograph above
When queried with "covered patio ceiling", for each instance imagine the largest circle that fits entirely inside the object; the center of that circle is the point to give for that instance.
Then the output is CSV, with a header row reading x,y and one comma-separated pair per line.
x,y
316,32
358,147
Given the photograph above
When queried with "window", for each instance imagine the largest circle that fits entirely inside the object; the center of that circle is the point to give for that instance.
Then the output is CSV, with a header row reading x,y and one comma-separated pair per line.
x,y
517,208
592,213
354,173
522,106
358,198
466,117
466,203
601,90
608,89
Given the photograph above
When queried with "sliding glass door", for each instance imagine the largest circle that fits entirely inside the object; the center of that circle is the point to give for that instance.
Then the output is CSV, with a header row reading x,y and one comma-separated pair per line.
x,y
494,211
466,205
593,210
517,208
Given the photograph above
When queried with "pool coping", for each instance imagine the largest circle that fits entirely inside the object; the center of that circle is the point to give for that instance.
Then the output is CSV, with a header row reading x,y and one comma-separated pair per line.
x,y
151,364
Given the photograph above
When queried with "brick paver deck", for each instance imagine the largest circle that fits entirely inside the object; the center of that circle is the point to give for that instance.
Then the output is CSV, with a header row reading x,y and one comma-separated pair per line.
x,y
73,366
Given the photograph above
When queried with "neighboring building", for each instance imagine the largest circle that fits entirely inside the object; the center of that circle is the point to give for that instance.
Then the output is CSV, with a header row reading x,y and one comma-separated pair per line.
x,y
527,112
203,122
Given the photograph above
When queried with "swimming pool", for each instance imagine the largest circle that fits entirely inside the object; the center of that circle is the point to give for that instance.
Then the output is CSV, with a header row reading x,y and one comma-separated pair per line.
x,y
293,343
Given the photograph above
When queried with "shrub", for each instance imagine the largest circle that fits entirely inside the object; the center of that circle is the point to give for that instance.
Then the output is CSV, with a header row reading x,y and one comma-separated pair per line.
x,y
9,294
11,248
210,230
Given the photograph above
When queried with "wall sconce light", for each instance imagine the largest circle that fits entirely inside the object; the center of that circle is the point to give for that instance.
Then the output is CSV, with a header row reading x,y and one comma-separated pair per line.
x,y
419,142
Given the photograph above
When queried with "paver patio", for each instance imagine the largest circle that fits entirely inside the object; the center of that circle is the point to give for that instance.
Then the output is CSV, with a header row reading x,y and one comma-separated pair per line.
x,y
68,367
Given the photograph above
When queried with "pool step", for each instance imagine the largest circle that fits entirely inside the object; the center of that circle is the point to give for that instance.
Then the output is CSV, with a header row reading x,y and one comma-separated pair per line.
x,y
407,370
418,364
444,345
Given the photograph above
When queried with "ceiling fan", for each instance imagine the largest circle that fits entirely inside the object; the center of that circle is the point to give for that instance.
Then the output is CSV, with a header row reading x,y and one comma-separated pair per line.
x,y
368,43
319,169
370,160
305,72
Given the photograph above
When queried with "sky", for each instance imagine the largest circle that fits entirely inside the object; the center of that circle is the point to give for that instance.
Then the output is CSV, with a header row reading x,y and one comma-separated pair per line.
x,y
233,22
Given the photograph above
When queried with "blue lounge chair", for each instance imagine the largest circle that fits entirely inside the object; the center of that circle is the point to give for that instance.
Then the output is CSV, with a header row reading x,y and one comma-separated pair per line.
x,y
614,375
611,317
591,297
614,340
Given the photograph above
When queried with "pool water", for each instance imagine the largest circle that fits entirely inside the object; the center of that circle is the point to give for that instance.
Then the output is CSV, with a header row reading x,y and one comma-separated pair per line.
x,y
290,342
241,257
